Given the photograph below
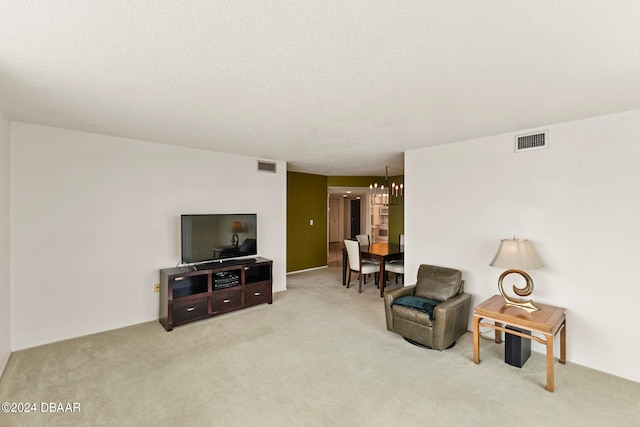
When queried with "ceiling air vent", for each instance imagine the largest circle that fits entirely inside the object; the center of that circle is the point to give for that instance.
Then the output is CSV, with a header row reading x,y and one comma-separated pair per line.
x,y
266,166
532,141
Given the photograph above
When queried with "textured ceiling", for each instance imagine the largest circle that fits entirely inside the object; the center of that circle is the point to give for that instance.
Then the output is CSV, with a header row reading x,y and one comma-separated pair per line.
x,y
333,87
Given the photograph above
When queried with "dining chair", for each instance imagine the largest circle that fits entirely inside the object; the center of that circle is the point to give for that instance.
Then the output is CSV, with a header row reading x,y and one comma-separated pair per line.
x,y
357,264
397,265
363,239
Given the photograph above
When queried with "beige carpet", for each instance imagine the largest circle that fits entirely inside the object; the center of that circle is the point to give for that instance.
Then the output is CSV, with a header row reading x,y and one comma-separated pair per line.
x,y
319,356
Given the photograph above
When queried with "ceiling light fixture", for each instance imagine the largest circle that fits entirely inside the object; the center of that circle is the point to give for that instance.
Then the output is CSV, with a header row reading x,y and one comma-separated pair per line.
x,y
384,194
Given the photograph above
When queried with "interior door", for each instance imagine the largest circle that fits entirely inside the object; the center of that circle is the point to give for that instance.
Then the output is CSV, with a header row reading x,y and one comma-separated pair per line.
x,y
334,220
355,218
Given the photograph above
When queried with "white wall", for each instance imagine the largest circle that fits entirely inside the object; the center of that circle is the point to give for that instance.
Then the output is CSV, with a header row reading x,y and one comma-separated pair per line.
x,y
578,202
5,319
93,219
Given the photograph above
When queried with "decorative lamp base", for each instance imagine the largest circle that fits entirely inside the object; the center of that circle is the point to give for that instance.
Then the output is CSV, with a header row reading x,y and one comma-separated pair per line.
x,y
529,306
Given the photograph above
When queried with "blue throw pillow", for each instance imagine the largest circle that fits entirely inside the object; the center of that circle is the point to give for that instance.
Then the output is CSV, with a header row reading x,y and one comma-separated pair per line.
x,y
422,304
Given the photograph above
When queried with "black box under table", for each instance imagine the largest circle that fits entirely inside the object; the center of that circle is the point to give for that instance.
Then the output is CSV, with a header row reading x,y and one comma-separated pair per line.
x,y
516,349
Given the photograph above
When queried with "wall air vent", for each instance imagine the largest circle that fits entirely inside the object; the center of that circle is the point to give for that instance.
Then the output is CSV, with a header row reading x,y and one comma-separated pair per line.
x,y
266,166
532,141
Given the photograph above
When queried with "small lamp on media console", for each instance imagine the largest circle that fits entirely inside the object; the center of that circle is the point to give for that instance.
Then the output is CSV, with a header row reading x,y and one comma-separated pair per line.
x,y
516,255
236,227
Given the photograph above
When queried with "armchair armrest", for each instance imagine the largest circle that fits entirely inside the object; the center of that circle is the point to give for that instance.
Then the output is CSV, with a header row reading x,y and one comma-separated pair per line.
x,y
451,320
391,296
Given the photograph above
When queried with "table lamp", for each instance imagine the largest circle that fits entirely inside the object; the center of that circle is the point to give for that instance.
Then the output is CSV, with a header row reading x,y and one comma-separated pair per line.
x,y
516,255
236,227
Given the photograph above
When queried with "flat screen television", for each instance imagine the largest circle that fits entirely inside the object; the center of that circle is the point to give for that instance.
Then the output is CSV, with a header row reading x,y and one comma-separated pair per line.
x,y
214,237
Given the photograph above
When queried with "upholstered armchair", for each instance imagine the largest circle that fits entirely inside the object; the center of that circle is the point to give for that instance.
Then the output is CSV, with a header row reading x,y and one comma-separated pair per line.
x,y
434,312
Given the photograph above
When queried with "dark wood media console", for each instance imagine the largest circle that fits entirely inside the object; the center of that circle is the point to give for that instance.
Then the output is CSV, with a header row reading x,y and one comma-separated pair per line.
x,y
187,295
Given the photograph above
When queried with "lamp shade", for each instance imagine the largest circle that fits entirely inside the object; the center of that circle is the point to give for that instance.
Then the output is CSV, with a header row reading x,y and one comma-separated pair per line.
x,y
237,227
516,253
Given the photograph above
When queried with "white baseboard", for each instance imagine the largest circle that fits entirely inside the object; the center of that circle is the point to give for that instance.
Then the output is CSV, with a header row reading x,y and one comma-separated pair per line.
x,y
308,269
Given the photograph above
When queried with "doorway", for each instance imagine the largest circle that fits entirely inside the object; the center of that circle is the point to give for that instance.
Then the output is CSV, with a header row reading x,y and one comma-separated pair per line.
x,y
345,219
355,218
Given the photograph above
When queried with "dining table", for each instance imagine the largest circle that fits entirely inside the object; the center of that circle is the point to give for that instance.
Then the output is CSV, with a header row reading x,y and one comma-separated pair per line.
x,y
382,252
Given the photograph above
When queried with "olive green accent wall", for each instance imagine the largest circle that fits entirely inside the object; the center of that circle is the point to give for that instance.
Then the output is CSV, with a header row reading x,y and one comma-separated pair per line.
x,y
352,181
306,200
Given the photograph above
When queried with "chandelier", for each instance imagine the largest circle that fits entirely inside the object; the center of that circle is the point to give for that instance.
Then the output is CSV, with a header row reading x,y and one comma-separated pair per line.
x,y
384,194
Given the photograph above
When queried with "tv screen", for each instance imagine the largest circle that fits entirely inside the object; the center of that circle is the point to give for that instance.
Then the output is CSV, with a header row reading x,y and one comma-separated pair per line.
x,y
213,237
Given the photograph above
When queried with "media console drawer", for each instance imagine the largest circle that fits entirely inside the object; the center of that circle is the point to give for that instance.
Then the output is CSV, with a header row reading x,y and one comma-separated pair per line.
x,y
226,300
189,308
187,295
257,294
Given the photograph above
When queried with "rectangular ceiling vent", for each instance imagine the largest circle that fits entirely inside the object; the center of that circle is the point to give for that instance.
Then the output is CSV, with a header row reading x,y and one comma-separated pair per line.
x,y
532,141
266,166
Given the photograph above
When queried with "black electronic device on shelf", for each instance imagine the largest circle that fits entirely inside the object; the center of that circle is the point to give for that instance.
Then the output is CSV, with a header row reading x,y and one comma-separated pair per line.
x,y
225,279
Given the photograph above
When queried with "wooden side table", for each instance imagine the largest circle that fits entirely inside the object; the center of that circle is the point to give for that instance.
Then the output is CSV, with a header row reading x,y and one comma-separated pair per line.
x,y
547,321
